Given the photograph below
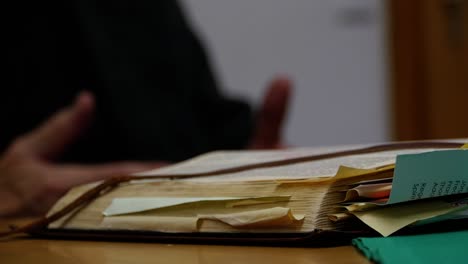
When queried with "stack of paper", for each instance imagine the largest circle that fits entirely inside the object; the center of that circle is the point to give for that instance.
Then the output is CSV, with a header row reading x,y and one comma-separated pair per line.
x,y
301,194
425,188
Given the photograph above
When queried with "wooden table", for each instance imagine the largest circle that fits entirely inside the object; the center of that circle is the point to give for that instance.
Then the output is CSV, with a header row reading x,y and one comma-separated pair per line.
x,y
30,250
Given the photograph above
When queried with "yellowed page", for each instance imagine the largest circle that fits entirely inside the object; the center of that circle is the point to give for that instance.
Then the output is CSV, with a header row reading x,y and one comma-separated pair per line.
x,y
339,217
271,217
261,218
314,169
170,224
388,220
304,200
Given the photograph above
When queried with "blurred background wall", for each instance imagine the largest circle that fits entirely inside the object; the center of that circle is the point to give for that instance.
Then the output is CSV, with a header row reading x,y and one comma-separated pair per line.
x,y
335,51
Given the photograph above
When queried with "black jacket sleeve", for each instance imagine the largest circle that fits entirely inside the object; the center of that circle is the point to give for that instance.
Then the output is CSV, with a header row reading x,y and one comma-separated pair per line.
x,y
156,95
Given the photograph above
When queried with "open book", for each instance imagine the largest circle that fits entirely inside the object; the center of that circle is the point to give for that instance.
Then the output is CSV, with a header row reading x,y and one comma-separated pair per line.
x,y
301,195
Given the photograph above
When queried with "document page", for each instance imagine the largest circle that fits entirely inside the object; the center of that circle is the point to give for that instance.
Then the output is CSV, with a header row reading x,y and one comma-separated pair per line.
x,y
305,170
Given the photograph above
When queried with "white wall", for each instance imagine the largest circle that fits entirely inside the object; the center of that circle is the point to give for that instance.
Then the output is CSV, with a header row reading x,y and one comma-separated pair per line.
x,y
333,50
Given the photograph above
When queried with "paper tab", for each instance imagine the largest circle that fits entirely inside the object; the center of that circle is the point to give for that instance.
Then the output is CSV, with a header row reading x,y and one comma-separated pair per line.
x,y
430,174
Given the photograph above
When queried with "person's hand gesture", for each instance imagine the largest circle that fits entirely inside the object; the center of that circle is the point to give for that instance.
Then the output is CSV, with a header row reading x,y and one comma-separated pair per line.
x,y
271,115
30,181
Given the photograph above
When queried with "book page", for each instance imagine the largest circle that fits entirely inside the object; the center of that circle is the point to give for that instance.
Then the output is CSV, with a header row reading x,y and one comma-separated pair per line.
x,y
387,220
218,160
313,169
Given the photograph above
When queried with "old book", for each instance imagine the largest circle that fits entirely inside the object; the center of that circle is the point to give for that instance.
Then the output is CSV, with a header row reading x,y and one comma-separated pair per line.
x,y
250,196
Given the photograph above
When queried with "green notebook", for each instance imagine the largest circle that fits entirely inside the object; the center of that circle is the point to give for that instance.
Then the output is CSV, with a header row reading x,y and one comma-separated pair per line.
x,y
451,247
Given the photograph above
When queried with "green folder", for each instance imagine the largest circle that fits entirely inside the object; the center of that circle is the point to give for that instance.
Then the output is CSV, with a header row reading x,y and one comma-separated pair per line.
x,y
451,247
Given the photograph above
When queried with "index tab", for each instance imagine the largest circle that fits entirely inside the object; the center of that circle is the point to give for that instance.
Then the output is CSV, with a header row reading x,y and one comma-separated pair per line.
x,y
430,174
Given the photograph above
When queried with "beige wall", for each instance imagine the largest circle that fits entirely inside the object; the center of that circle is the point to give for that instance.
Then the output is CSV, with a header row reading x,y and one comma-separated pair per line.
x,y
334,50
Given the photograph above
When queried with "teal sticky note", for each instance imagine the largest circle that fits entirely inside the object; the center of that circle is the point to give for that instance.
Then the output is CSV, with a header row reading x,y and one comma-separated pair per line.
x,y
448,247
429,174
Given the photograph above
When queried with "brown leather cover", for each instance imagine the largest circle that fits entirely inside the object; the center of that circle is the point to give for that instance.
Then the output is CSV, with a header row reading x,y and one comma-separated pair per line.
x,y
315,238
318,238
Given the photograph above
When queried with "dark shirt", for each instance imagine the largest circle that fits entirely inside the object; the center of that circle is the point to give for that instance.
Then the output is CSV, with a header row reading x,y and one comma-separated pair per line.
x,y
155,92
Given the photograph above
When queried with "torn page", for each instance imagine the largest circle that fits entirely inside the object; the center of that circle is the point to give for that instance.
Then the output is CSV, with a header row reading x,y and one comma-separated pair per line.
x,y
263,218
271,217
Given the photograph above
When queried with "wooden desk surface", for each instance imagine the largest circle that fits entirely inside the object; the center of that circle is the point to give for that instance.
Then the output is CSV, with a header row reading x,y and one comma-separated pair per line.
x,y
29,250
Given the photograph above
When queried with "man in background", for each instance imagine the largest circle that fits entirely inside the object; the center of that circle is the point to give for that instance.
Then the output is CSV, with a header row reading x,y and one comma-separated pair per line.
x,y
144,96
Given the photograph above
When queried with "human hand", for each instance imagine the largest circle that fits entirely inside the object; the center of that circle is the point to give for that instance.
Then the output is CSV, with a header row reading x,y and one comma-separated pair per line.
x,y
270,118
30,181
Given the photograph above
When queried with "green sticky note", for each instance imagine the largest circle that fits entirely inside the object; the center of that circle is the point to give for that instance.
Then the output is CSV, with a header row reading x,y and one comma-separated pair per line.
x,y
448,247
429,174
